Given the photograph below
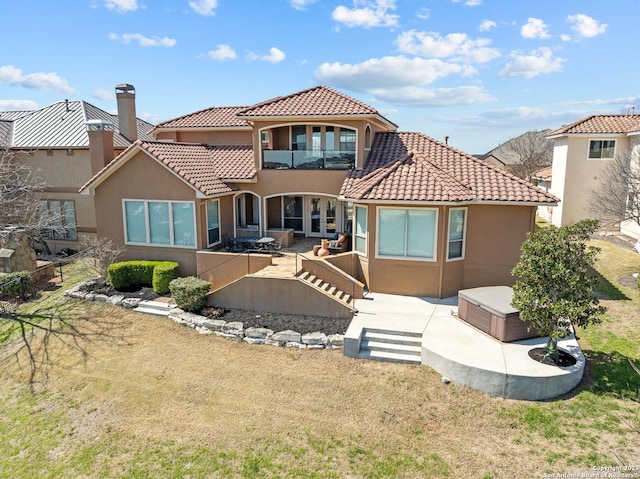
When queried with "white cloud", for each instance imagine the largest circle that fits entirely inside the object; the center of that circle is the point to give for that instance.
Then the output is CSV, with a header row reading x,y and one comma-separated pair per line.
x,y
18,105
122,6
275,55
455,46
387,73
301,4
469,3
223,52
585,26
37,81
372,13
102,94
204,7
424,14
487,25
143,41
534,28
434,97
536,63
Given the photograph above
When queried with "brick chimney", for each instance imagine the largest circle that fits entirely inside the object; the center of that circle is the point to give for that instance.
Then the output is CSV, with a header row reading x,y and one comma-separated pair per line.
x,y
100,143
127,121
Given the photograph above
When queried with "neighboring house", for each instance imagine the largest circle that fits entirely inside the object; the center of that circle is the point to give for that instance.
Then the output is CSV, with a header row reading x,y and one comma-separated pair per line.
x,y
426,219
582,151
527,147
54,140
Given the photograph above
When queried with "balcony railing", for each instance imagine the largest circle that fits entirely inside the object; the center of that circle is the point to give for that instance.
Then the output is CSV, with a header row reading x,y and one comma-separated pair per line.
x,y
308,159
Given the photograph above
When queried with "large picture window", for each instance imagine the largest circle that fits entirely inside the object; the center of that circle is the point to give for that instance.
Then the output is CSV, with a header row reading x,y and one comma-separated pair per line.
x,y
61,216
457,228
407,233
159,223
601,149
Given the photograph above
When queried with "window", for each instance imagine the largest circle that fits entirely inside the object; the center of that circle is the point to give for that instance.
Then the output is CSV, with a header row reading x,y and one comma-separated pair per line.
x,y
61,215
299,137
213,222
347,140
360,233
247,210
457,227
407,233
293,213
159,223
601,149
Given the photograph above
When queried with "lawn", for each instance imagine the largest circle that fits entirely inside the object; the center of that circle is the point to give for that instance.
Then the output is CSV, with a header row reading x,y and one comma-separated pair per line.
x,y
110,393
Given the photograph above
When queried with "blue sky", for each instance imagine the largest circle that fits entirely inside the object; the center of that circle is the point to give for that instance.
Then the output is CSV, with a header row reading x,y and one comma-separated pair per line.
x,y
478,71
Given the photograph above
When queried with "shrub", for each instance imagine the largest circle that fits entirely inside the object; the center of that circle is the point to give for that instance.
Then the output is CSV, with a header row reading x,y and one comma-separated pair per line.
x,y
16,285
163,274
128,274
190,293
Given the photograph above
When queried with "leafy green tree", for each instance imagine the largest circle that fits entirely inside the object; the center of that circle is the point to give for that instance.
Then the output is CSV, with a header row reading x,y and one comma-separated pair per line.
x,y
556,281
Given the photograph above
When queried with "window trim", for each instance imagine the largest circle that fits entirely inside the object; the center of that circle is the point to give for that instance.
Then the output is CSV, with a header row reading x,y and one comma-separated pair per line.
x,y
464,234
408,258
606,158
147,226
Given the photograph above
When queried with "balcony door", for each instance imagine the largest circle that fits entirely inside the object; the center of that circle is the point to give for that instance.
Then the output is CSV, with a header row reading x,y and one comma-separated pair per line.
x,y
322,216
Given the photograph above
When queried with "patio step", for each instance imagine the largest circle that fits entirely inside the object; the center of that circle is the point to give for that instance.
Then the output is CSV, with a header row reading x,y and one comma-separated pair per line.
x,y
391,345
327,288
157,308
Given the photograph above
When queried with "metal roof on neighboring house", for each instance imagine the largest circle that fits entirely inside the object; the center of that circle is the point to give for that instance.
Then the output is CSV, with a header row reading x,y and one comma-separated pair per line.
x,y
63,125
414,167
601,124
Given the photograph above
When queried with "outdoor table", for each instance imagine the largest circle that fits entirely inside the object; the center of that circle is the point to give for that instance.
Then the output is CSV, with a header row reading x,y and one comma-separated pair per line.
x,y
244,242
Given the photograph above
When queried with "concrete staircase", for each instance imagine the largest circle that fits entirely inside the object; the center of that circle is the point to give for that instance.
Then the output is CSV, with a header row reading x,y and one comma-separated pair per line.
x,y
391,345
327,289
157,308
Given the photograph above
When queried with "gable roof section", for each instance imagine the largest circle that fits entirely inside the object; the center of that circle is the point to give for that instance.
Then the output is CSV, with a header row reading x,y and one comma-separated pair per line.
x,y
414,167
205,168
63,125
317,101
601,124
216,117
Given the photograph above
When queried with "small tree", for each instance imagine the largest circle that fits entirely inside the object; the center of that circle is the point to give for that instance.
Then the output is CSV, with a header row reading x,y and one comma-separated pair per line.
x,y
617,196
556,281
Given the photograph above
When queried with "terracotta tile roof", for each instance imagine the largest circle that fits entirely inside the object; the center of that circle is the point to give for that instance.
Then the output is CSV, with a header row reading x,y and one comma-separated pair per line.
x,y
543,174
603,124
317,101
206,168
216,117
414,167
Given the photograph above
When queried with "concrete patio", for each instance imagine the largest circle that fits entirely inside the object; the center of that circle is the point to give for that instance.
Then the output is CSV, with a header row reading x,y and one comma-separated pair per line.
x,y
463,354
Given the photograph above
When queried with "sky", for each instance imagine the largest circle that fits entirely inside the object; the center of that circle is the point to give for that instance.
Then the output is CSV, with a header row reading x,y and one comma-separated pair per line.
x,y
476,71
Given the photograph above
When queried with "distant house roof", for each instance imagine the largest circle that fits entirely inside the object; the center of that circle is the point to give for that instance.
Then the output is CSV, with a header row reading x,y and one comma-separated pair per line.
x,y
206,168
63,125
216,117
317,101
601,124
544,174
505,154
414,167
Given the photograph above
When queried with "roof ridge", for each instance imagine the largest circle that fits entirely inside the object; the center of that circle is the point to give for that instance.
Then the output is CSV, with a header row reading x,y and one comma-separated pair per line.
x,y
159,125
371,179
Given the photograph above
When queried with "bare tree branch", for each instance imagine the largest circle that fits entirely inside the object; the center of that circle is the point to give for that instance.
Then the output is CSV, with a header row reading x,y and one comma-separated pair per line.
x,y
529,153
617,196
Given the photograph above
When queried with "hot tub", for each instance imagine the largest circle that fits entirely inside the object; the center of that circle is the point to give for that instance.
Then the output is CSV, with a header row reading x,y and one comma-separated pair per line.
x,y
489,309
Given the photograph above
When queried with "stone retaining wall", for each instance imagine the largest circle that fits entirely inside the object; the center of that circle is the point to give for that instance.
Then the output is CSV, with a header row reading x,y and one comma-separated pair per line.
x,y
231,330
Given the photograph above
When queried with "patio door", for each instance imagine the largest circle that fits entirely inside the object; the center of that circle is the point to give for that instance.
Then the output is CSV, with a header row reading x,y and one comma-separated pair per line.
x,y
322,216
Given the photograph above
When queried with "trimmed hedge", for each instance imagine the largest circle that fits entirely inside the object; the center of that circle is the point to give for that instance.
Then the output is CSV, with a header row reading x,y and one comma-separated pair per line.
x,y
16,285
128,274
190,293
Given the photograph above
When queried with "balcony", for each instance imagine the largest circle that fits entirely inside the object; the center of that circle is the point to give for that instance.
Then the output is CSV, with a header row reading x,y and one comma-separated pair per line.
x,y
308,160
